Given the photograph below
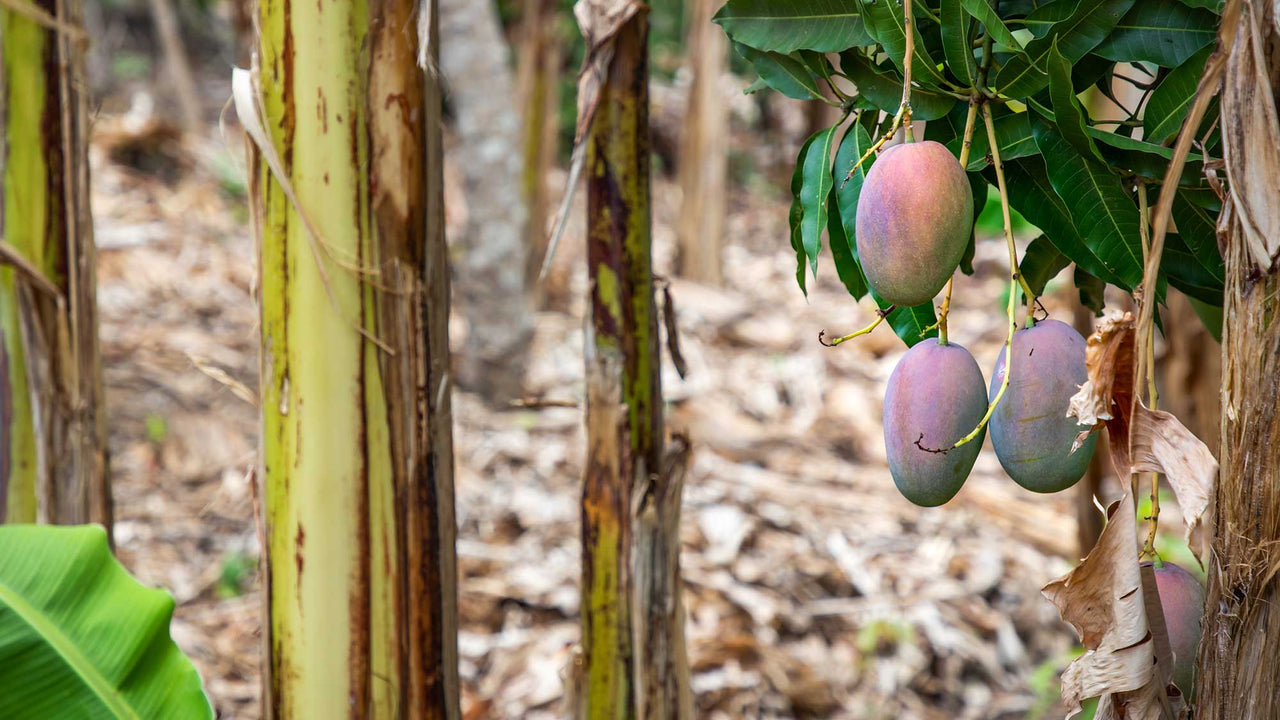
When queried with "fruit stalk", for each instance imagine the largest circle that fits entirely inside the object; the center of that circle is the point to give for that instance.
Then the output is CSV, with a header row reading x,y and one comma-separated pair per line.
x,y
1146,356
1014,279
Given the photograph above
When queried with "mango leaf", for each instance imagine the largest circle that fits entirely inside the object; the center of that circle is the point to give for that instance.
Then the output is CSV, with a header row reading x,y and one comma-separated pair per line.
x,y
1169,102
909,323
784,27
1210,315
844,249
1146,159
1185,272
796,214
815,191
1041,263
1013,135
1102,209
1043,17
1164,32
1091,289
986,14
885,93
1075,35
1033,196
756,86
783,73
1070,116
1198,229
956,46
885,22
79,638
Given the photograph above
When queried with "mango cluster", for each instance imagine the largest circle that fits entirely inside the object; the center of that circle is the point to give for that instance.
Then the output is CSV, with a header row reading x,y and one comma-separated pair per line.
x,y
914,218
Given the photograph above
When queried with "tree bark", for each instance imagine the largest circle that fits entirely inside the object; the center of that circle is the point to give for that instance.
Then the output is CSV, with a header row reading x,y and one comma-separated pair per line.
x,y
357,462
1239,669
53,466
704,152
632,636
490,254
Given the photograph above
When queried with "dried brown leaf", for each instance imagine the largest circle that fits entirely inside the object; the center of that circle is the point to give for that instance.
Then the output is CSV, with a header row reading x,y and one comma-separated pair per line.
x,y
1107,394
1102,598
1160,443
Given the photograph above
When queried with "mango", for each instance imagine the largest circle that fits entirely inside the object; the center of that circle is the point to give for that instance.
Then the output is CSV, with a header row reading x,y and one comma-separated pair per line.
x,y
915,216
1030,430
934,397
1182,600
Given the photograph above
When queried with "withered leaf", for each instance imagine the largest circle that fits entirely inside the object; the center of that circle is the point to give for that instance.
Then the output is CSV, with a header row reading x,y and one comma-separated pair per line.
x,y
1102,598
1160,443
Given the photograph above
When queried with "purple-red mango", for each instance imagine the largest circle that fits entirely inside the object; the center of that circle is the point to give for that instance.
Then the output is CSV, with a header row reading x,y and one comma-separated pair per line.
x,y
915,216
935,397
1182,601
1030,430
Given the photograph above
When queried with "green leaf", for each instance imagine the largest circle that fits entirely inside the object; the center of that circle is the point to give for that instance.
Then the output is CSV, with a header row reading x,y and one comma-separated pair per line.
x,y
1164,32
1146,159
782,73
1033,196
796,214
843,202
1199,230
784,27
1092,290
1042,18
79,638
910,322
956,46
1075,35
1210,315
1013,135
1185,272
885,92
1167,108
886,23
986,14
1041,263
756,86
1066,107
815,190
1103,211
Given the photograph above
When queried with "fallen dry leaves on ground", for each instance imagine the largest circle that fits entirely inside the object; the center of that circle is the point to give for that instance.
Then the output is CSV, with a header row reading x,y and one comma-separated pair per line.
x,y
812,588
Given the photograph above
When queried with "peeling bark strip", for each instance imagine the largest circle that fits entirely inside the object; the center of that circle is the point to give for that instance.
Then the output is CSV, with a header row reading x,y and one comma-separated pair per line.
x,y
357,446
634,660
55,454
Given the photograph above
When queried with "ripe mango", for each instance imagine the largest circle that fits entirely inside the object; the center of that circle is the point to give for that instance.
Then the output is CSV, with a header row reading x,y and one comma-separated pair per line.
x,y
915,215
1030,430
934,398
1182,600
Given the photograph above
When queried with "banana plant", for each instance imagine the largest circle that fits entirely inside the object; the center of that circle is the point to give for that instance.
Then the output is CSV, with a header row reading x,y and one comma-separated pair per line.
x,y
80,638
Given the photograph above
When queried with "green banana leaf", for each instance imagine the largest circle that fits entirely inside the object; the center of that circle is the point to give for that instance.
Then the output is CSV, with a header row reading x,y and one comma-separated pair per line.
x,y
80,638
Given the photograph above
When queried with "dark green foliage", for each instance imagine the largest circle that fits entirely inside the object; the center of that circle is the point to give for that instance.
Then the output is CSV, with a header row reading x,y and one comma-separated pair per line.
x,y
933,399
1030,430
1072,177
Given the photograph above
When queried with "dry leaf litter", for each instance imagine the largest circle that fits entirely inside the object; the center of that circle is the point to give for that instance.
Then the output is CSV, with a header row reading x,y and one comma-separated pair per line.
x,y
812,588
